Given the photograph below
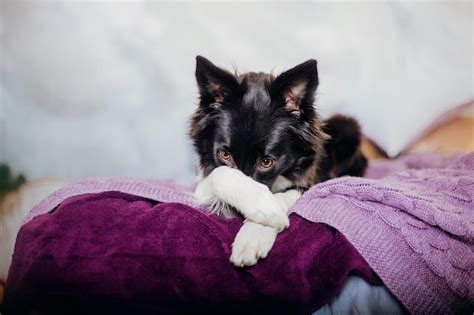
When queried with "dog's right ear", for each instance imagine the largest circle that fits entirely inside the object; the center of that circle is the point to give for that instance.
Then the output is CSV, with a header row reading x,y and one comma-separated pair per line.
x,y
216,85
297,87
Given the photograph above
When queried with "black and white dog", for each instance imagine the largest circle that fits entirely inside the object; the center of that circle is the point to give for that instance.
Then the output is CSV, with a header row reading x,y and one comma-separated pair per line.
x,y
260,143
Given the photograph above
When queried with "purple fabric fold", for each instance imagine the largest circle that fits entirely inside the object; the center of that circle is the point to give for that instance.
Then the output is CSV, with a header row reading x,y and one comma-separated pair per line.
x,y
115,252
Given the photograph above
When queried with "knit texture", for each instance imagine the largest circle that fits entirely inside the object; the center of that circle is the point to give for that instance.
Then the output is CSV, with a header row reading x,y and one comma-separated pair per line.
x,y
414,227
412,220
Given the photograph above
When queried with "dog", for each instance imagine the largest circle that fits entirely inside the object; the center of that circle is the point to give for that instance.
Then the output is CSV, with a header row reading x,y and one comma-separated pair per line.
x,y
260,143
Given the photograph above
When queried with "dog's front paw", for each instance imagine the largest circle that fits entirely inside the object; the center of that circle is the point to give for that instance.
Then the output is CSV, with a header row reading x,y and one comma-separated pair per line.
x,y
204,192
253,242
274,219
287,199
267,210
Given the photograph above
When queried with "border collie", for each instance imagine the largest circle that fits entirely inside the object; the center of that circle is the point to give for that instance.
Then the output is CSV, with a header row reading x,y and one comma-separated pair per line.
x,y
260,142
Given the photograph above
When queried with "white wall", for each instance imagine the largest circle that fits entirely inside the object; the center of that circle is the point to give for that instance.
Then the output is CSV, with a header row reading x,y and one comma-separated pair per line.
x,y
106,89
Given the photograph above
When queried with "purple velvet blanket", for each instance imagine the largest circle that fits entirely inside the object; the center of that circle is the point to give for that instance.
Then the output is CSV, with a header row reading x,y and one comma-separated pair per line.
x,y
412,220
113,252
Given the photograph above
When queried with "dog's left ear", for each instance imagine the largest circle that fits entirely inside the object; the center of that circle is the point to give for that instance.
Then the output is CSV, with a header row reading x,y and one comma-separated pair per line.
x,y
215,84
297,87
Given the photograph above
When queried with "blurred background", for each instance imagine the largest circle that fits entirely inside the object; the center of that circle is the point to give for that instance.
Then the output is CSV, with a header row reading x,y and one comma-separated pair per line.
x,y
102,88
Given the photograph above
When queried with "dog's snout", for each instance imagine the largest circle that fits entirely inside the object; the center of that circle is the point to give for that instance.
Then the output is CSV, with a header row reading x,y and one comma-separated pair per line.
x,y
267,182
248,171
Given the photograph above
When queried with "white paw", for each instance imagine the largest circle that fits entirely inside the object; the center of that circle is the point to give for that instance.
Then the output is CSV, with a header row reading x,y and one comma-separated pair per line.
x,y
253,242
252,199
264,208
288,198
204,192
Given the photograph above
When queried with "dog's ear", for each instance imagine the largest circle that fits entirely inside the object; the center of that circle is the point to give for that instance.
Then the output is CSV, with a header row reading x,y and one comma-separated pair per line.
x,y
216,85
296,87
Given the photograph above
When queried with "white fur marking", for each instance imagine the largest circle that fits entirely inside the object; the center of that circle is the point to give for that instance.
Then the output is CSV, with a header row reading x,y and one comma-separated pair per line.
x,y
265,213
281,183
254,200
287,199
254,241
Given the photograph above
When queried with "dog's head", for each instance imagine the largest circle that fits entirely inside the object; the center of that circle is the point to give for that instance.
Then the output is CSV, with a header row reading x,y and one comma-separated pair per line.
x,y
263,125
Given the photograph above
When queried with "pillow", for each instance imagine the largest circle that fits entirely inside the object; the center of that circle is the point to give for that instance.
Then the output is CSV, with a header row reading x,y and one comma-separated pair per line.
x,y
123,253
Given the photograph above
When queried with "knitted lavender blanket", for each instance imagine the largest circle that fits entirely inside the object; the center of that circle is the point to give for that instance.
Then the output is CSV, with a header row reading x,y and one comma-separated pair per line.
x,y
411,219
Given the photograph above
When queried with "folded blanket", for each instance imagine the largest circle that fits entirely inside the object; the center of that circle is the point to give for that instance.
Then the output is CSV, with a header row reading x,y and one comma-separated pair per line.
x,y
412,220
115,252
414,226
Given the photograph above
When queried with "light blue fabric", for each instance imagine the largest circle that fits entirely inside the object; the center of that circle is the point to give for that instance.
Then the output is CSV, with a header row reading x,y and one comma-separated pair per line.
x,y
358,297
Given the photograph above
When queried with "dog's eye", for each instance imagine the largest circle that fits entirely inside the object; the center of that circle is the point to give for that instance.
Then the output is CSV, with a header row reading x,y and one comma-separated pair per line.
x,y
266,163
224,154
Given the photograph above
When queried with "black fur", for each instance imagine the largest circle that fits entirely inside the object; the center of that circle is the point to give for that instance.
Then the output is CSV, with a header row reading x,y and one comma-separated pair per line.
x,y
256,116
344,155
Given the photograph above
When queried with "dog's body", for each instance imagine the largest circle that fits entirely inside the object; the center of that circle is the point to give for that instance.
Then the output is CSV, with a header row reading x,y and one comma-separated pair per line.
x,y
260,142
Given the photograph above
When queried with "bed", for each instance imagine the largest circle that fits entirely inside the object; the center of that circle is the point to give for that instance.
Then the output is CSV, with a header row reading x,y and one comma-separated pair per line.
x,y
141,246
